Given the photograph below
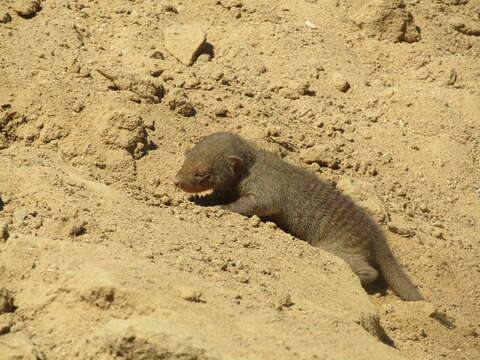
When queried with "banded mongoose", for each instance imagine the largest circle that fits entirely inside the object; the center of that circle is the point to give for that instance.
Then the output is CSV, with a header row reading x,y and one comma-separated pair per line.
x,y
258,182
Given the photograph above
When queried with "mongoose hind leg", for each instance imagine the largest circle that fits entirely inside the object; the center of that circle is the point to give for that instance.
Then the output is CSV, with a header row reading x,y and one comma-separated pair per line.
x,y
365,272
360,266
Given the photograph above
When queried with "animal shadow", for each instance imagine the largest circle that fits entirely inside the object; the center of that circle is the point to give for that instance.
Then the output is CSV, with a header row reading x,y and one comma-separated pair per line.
x,y
216,198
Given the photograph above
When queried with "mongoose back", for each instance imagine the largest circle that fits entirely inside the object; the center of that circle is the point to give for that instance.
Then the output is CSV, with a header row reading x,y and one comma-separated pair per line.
x,y
258,182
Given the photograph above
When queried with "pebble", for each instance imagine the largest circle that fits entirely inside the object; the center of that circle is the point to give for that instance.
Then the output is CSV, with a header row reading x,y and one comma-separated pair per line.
x,y
294,89
271,225
452,77
184,42
157,55
5,199
5,18
178,101
436,232
457,23
190,294
4,232
76,227
476,331
6,323
20,214
321,155
6,301
203,58
191,83
401,230
241,278
27,8
339,82
254,221
166,200
285,301
169,9
311,25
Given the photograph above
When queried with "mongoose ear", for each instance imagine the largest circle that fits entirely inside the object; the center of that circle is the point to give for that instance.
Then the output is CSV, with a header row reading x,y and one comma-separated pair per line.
x,y
235,161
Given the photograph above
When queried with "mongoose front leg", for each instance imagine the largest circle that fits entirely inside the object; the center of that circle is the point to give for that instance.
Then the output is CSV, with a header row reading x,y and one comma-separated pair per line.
x,y
248,206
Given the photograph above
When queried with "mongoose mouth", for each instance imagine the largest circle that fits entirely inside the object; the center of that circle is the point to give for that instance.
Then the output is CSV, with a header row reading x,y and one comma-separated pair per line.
x,y
193,190
190,188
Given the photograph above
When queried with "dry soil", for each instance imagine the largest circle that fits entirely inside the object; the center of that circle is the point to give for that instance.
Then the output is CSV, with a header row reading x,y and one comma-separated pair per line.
x,y
102,258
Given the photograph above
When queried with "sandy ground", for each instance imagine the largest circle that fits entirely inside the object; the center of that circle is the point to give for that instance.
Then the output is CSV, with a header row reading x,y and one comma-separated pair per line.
x,y
102,258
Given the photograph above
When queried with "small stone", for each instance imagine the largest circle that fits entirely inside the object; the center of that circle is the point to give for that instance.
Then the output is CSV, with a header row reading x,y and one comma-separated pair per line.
x,y
244,279
437,233
388,92
170,8
157,55
191,83
6,301
401,229
4,234
452,77
457,23
444,319
76,228
311,25
27,8
424,208
465,26
190,294
339,82
321,155
294,89
203,58
387,20
254,221
6,323
220,111
372,116
5,18
285,301
78,106
20,215
6,199
184,42
179,102
271,225
476,331
166,200
36,223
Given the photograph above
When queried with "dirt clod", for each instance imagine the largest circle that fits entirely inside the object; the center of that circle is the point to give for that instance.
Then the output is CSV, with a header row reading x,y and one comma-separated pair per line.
x,y
27,8
6,301
387,20
4,233
339,82
191,294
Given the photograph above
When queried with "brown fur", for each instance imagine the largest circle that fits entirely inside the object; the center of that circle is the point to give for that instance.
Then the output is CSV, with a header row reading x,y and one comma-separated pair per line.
x,y
257,182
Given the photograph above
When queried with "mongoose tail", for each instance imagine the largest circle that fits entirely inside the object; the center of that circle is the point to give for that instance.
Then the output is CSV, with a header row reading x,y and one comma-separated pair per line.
x,y
393,273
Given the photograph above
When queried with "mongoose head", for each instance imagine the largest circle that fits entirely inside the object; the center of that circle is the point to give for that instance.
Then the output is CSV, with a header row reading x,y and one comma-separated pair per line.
x,y
216,162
